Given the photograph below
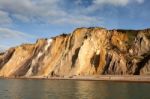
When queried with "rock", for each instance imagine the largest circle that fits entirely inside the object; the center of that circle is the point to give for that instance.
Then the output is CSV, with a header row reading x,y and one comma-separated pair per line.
x,y
86,51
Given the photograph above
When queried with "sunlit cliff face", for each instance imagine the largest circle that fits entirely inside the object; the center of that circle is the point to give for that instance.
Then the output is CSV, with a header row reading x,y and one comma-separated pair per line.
x,y
86,51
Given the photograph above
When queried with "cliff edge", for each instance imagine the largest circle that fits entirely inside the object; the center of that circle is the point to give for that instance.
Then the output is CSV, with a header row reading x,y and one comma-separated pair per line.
x,y
86,51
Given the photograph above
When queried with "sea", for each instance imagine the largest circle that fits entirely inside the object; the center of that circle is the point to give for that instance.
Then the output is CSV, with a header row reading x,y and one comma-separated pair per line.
x,y
72,89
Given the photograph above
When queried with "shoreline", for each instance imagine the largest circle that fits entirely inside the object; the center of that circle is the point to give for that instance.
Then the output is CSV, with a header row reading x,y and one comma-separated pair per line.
x,y
116,78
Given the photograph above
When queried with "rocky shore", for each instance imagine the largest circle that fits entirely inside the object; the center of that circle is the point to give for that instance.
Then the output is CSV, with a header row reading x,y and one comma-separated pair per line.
x,y
117,78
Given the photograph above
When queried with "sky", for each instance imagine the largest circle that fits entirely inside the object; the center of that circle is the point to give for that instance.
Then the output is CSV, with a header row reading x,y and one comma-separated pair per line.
x,y
25,21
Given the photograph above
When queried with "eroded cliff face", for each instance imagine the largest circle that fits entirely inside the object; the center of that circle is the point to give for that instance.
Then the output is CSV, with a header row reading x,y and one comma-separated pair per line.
x,y
86,51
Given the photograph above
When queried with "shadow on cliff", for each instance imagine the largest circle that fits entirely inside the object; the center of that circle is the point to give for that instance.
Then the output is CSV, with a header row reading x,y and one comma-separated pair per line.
x,y
75,56
141,64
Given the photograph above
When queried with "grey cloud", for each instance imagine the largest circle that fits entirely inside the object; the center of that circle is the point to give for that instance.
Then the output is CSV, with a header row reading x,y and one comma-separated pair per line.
x,y
117,2
53,12
112,2
78,20
8,33
44,11
9,37
4,18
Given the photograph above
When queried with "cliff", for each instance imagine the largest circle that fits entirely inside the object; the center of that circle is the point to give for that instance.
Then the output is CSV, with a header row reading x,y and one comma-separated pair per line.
x,y
86,51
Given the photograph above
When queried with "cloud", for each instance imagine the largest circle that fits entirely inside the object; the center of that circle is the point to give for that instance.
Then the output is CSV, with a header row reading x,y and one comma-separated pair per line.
x,y
56,12
140,1
112,2
78,2
117,2
80,20
6,33
9,38
45,11
22,18
4,18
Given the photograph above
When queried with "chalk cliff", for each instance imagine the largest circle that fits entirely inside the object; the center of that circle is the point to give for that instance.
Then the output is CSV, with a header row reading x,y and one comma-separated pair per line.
x,y
86,51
